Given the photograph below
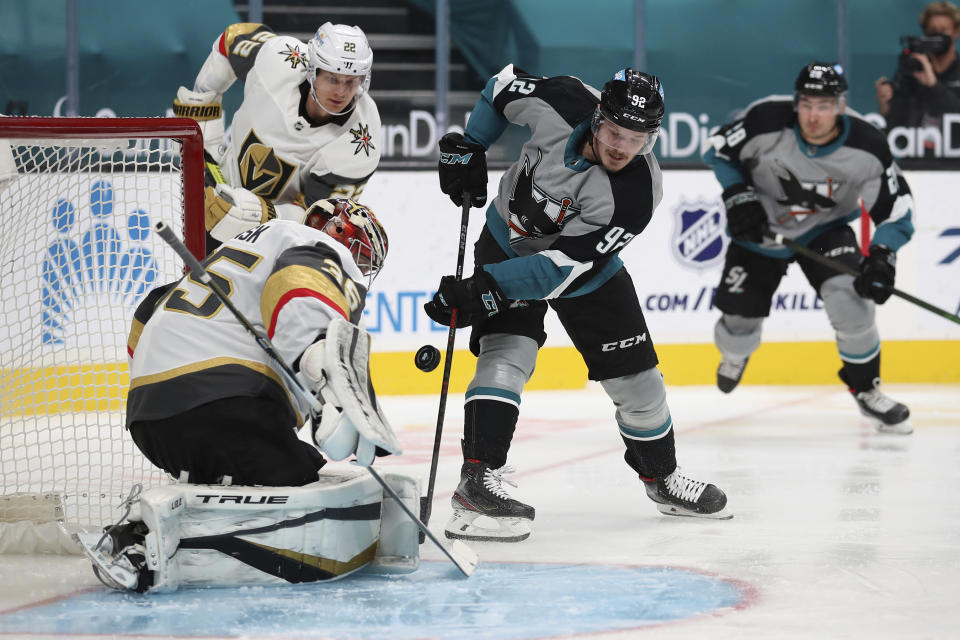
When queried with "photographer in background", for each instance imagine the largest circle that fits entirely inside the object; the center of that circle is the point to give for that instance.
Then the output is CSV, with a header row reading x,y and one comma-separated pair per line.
x,y
926,84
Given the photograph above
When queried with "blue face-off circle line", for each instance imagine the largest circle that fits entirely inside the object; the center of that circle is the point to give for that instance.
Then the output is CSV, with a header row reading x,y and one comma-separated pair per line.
x,y
501,601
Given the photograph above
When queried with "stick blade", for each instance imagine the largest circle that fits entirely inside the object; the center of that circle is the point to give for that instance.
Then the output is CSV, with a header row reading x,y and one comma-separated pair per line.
x,y
464,557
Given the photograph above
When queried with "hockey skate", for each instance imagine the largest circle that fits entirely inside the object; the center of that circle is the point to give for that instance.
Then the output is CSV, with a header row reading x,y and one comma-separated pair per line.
x,y
483,511
886,414
678,495
729,373
118,556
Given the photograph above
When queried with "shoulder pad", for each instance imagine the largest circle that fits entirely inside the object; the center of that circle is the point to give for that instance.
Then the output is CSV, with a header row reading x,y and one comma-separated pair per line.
x,y
769,114
867,137
355,153
282,55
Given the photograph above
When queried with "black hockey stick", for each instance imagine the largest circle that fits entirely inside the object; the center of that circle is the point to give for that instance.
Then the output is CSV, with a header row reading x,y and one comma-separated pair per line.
x,y
842,268
460,555
426,503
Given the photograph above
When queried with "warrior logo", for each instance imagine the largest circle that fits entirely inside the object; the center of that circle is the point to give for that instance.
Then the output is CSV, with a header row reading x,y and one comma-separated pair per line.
x,y
698,238
362,138
533,213
294,56
261,171
805,198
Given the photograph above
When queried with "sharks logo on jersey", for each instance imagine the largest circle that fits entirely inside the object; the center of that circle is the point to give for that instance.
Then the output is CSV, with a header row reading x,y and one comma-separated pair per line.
x,y
534,213
261,171
804,198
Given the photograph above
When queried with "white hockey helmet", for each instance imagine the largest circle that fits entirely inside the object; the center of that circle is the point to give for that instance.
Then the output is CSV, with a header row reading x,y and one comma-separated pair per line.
x,y
342,49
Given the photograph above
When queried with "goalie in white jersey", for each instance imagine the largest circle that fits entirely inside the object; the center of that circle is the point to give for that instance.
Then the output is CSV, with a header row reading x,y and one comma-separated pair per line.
x,y
211,408
307,128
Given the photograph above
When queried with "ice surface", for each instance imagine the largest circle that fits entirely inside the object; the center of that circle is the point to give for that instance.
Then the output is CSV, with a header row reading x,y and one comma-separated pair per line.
x,y
839,532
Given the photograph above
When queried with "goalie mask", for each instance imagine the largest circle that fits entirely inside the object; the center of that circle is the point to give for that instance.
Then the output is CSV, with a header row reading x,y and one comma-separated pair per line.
x,y
342,50
354,226
632,102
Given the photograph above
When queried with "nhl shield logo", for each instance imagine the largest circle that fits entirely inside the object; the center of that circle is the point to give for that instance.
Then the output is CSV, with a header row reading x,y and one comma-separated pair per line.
x,y
698,238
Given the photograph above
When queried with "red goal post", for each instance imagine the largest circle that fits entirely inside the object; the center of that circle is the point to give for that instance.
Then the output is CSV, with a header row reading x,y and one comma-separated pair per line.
x,y
78,198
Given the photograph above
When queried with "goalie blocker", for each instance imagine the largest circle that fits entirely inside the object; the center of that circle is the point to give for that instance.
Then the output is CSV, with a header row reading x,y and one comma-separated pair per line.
x,y
212,535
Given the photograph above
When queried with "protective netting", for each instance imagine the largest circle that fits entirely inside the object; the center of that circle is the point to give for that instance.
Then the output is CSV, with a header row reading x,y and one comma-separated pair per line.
x,y
77,254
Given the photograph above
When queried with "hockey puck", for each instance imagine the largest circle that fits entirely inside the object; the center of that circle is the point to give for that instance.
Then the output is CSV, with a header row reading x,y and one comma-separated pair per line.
x,y
427,358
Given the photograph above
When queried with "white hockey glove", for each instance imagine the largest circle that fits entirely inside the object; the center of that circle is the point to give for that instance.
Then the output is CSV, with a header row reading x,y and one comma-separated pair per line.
x,y
232,210
352,422
205,107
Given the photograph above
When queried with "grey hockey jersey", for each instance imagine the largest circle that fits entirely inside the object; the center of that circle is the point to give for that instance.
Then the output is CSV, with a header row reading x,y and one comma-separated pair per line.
x,y
562,218
806,189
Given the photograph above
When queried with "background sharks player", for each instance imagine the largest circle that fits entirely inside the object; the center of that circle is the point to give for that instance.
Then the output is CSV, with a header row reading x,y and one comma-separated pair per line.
x,y
798,168
210,407
307,128
585,185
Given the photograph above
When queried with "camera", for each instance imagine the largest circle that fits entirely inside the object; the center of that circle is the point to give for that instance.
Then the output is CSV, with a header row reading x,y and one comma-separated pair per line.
x,y
935,44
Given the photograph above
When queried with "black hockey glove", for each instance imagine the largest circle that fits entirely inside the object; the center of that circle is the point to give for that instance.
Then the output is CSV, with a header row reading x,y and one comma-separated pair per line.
x,y
746,217
877,273
474,298
463,169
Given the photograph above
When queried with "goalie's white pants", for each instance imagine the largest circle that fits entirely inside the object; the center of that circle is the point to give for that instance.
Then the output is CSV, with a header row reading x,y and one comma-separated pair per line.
x,y
212,535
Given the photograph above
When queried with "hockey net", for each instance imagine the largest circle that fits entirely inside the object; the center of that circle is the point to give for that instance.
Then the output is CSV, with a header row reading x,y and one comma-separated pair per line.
x,y
78,201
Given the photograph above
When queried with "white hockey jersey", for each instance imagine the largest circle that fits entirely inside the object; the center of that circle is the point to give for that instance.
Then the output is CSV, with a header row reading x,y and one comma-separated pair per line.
x,y
274,150
188,349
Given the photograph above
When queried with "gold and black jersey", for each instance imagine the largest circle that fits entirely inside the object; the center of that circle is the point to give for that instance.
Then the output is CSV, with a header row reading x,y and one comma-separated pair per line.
x,y
188,349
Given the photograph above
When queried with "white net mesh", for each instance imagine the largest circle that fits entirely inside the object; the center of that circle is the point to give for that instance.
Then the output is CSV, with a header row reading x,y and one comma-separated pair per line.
x,y
77,254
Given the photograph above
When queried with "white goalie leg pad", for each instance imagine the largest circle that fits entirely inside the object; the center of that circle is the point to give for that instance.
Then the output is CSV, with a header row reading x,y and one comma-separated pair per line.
x,y
399,548
211,535
346,365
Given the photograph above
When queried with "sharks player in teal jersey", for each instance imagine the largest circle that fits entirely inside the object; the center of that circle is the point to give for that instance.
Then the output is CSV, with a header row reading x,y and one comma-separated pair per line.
x,y
585,185
798,168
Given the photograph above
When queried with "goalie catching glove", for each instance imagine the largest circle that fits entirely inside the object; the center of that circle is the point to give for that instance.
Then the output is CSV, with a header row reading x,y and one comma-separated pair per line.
x,y
233,210
205,107
337,368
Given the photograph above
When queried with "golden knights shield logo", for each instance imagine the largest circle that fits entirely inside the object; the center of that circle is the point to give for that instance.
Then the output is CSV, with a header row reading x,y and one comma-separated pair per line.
x,y
261,170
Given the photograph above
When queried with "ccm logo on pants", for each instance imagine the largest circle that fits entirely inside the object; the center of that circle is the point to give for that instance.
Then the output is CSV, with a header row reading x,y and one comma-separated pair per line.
x,y
626,342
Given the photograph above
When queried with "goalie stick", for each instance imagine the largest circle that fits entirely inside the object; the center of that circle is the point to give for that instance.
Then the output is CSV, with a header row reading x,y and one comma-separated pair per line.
x,y
459,554
426,504
842,268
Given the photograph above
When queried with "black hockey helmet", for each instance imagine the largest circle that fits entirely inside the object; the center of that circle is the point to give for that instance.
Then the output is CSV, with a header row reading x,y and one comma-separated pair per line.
x,y
633,100
821,79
